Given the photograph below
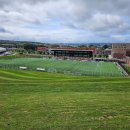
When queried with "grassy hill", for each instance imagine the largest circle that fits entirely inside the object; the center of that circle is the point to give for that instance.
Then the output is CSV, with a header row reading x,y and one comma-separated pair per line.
x,y
46,101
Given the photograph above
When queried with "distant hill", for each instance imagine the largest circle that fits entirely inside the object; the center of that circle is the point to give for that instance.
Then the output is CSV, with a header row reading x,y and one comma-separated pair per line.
x,y
18,42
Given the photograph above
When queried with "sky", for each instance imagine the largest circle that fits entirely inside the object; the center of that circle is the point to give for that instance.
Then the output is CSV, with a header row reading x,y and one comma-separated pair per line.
x,y
65,21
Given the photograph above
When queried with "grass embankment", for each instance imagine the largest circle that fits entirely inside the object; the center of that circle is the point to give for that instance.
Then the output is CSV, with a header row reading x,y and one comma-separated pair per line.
x,y
127,68
64,66
46,101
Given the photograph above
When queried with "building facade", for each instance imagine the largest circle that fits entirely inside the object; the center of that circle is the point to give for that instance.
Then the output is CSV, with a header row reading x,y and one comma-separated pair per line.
x,y
128,61
107,51
74,52
120,51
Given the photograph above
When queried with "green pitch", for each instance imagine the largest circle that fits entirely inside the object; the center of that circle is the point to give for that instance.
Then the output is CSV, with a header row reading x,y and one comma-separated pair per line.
x,y
46,101
64,66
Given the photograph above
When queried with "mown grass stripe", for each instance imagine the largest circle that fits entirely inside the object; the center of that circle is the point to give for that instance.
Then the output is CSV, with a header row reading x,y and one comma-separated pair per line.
x,y
61,102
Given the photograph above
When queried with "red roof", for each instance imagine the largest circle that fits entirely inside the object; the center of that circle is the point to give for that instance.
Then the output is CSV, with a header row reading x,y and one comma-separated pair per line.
x,y
42,49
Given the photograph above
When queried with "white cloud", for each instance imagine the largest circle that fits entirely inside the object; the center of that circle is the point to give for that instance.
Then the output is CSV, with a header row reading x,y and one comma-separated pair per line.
x,y
107,23
74,20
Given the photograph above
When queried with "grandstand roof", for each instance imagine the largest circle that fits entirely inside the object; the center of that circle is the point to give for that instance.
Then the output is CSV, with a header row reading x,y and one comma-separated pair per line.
x,y
75,49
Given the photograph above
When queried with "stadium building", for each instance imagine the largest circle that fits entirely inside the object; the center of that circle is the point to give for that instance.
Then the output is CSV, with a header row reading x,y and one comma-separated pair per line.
x,y
74,52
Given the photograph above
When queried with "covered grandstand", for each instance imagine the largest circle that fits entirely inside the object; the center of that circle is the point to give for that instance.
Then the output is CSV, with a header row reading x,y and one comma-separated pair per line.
x,y
74,52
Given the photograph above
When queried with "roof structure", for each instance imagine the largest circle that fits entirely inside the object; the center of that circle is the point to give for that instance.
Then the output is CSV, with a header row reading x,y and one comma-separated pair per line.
x,y
75,49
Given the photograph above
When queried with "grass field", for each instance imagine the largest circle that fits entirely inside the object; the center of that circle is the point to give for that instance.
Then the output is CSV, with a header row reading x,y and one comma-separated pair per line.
x,y
64,66
46,101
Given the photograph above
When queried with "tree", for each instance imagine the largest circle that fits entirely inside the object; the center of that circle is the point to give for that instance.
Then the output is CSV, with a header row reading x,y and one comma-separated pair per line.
x,y
29,47
105,47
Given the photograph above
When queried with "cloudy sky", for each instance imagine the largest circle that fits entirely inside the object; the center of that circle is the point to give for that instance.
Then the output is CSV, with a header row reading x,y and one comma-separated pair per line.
x,y
74,21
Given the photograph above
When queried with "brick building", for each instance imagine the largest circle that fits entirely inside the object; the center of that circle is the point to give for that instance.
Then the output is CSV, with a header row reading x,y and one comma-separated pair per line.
x,y
128,61
120,51
42,49
107,51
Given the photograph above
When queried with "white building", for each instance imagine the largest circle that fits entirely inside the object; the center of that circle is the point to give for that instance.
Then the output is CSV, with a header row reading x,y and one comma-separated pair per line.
x,y
2,50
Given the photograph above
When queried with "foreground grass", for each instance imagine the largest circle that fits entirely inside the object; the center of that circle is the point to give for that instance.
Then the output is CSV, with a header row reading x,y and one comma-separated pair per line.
x,y
46,101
